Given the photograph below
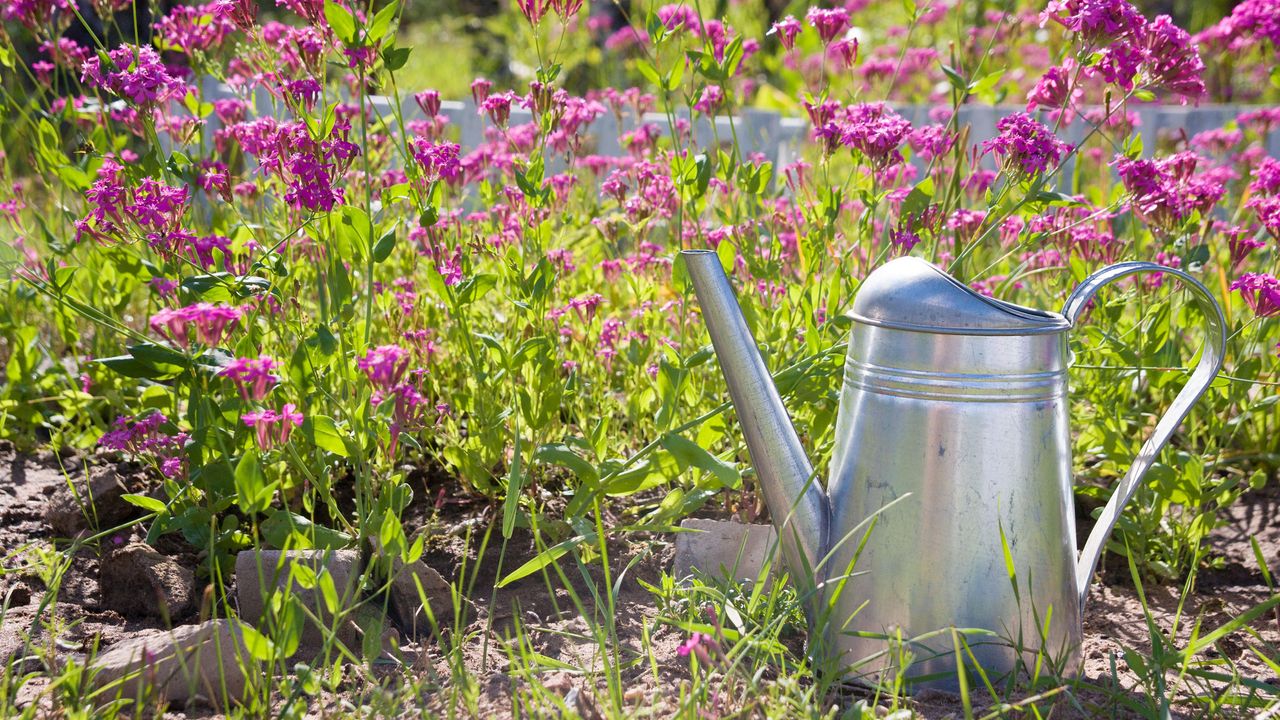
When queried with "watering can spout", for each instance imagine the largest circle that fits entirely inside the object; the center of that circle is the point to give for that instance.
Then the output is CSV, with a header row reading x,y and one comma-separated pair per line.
x,y
795,499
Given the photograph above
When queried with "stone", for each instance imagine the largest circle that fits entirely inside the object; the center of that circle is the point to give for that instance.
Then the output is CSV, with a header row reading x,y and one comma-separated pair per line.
x,y
191,663
717,547
137,581
95,502
406,604
259,573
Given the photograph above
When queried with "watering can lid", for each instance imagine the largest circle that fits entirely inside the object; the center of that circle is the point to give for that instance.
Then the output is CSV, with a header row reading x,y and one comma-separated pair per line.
x,y
911,294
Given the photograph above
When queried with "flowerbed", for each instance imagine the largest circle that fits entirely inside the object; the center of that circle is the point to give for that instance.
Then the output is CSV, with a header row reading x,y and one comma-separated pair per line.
x,y
290,302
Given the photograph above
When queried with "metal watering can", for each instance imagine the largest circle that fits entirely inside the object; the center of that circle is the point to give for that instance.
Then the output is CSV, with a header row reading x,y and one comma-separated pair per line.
x,y
953,436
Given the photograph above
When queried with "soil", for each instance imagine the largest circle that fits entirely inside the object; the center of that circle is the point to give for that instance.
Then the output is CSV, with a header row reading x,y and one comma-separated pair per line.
x,y
555,627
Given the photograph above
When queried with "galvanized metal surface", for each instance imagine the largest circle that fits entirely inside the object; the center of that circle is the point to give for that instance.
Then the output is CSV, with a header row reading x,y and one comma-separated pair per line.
x,y
953,438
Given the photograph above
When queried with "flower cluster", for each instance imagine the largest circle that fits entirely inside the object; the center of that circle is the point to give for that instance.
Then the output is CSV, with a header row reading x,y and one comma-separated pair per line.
x,y
208,323
151,207
135,74
1129,50
1261,292
272,428
1166,191
143,438
1264,197
312,170
439,161
1026,147
876,131
253,377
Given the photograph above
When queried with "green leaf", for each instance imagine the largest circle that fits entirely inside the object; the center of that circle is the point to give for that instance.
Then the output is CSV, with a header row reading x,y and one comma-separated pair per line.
x,y
253,495
258,645
955,79
545,558
328,591
146,502
515,484
986,82
131,367
396,57
382,250
341,21
690,454
282,526
561,455
323,433
382,22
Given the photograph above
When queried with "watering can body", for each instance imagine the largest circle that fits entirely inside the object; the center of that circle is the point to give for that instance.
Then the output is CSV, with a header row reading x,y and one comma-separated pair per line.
x,y
946,532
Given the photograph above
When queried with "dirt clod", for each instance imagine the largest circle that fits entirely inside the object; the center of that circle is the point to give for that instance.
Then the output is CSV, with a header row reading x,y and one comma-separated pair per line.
x,y
137,581
96,503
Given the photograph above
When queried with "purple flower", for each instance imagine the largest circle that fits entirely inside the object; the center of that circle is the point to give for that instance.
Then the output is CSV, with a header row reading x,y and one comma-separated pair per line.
x,y
1026,147
209,322
1261,292
1172,62
439,161
830,24
273,428
932,141
385,365
1165,191
1096,21
786,29
253,377
35,14
1051,90
141,436
680,16
711,98
135,74
876,131
429,102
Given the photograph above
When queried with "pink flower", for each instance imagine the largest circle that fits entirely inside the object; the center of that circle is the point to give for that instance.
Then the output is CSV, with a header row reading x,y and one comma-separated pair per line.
x,y
566,8
830,24
253,377
429,102
1261,292
36,14
384,365
210,322
679,17
135,74
876,131
846,51
1026,147
142,437
273,428
786,29
932,141
439,161
1096,21
711,98
1165,191
1172,62
1051,90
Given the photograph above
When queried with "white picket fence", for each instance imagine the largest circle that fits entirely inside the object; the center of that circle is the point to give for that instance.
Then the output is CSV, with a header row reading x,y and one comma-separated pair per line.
x,y
778,137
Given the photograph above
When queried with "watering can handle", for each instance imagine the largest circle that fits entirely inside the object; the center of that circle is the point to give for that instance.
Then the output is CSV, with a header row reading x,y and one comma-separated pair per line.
x,y
1206,370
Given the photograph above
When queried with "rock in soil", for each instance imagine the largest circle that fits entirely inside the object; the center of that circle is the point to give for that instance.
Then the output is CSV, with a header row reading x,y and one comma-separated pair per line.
x,y
137,581
406,603
96,503
202,663
716,547
277,570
